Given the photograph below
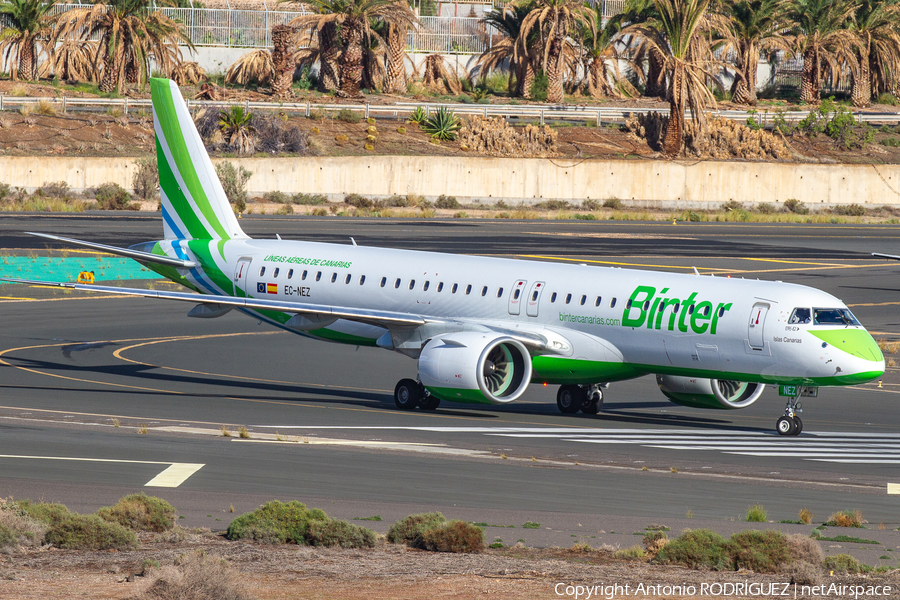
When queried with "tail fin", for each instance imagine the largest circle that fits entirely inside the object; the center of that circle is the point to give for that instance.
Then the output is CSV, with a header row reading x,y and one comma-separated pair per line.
x,y
194,205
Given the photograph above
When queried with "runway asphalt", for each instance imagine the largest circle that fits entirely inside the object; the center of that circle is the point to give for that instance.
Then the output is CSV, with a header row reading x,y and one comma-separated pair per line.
x,y
321,420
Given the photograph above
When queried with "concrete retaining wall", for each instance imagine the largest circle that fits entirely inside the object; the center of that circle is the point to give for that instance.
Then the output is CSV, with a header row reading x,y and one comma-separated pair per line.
x,y
703,184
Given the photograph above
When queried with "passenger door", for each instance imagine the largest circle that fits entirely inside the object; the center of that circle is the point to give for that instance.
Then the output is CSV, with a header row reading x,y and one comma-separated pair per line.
x,y
242,276
515,298
757,325
534,299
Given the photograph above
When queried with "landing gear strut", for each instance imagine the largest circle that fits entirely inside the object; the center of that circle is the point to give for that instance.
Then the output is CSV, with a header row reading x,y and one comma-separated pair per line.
x,y
586,398
409,394
790,423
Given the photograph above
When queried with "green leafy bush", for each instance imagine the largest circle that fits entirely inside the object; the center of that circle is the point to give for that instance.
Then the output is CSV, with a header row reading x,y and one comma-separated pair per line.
x,y
234,181
539,86
285,209
765,208
760,551
890,142
339,533
844,563
411,529
442,124
111,196
888,99
358,201
89,532
454,536
348,116
698,548
309,199
732,205
140,512
276,197
590,204
418,116
276,523
587,217
44,512
613,203
757,514
397,201
850,210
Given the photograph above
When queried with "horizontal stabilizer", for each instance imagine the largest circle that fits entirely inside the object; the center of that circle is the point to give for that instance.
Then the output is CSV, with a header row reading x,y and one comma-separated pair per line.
x,y
146,257
375,317
890,256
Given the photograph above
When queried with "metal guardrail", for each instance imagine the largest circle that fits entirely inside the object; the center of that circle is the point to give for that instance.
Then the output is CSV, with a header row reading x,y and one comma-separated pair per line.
x,y
540,114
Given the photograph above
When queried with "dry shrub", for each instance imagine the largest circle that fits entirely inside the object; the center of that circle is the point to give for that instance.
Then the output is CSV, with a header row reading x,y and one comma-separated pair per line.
x,y
844,563
411,529
197,577
17,528
339,533
720,138
140,512
804,573
495,137
655,541
806,515
845,518
437,78
254,66
805,549
188,73
454,536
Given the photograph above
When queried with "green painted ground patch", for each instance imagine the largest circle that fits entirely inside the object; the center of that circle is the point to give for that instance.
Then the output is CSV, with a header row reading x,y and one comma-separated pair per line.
x,y
105,268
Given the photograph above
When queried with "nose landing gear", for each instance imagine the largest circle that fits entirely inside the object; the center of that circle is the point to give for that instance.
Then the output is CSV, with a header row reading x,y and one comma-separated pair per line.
x,y
790,423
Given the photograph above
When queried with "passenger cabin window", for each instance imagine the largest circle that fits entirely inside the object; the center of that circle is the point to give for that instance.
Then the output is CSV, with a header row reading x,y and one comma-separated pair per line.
x,y
516,294
534,295
833,316
454,288
597,302
290,273
275,272
706,310
397,284
468,289
500,293
440,286
646,305
383,281
568,298
612,303
318,275
800,316
412,283
333,277
552,297
303,275
484,291
583,300
262,271
425,287
362,279
721,311
347,278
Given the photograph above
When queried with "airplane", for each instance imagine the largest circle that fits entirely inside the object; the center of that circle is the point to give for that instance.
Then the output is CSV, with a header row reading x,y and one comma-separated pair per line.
x,y
483,329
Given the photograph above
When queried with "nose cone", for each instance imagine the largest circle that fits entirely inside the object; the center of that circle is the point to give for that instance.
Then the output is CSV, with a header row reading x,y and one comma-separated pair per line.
x,y
868,363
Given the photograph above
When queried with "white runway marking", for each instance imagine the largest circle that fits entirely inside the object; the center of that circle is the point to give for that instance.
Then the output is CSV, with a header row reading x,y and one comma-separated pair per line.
x,y
834,447
173,476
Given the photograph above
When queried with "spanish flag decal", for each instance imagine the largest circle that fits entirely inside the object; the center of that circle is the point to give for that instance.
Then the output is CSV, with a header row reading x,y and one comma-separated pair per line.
x,y
272,288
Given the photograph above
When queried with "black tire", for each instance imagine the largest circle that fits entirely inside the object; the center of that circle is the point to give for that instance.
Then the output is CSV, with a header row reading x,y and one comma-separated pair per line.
x,y
593,403
429,402
798,425
785,426
407,394
568,399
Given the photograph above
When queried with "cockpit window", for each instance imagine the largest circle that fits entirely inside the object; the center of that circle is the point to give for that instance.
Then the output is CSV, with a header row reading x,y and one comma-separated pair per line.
x,y
833,316
800,316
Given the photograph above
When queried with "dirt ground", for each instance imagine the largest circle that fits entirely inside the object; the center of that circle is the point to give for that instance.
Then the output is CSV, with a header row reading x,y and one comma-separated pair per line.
x,y
114,134
386,572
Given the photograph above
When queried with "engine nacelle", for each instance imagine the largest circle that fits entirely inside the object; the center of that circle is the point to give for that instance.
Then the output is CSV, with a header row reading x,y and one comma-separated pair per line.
x,y
709,393
475,367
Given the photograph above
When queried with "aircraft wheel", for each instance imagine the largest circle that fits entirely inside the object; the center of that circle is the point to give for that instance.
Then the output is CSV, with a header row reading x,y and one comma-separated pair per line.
x,y
568,399
407,394
798,424
592,403
429,402
785,426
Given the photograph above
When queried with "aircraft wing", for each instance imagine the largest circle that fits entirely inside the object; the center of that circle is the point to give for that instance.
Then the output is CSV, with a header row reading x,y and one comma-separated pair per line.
x,y
135,254
375,317
890,256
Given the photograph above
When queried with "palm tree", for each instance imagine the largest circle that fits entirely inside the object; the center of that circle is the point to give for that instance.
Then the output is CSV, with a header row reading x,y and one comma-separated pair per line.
x,y
353,20
748,27
878,28
238,128
74,60
645,12
395,69
283,42
687,62
131,32
601,55
553,20
28,21
256,66
821,35
508,22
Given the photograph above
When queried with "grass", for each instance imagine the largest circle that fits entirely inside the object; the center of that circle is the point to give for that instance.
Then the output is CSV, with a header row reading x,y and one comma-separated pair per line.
x,y
842,538
845,518
632,553
805,515
756,514
531,525
372,518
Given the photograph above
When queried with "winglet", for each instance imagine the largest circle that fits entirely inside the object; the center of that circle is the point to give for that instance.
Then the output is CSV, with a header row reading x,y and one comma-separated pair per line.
x,y
194,205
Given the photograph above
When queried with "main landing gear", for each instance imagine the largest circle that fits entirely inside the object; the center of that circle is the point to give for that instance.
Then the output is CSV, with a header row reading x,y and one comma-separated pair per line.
x,y
586,398
790,423
409,393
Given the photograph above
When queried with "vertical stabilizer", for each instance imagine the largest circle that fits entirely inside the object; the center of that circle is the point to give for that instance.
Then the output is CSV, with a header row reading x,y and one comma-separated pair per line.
x,y
194,205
